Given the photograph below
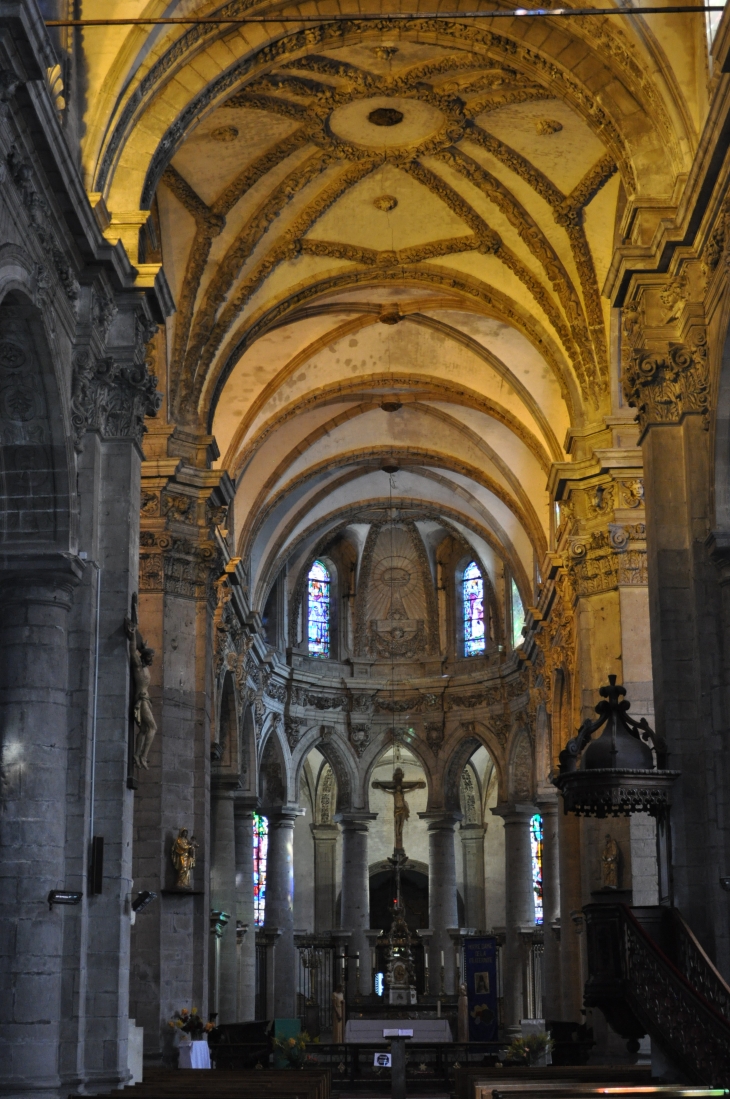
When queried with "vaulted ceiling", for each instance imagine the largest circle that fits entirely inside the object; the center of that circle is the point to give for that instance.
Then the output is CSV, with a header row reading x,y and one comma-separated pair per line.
x,y
387,247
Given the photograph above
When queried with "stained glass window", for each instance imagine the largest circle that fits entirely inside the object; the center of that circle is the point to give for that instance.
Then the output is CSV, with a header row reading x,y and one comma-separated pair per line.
x,y
260,852
536,849
318,617
518,616
473,602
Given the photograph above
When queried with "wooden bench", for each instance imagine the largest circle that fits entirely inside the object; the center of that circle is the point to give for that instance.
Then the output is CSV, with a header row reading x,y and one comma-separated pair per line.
x,y
468,1078
216,1084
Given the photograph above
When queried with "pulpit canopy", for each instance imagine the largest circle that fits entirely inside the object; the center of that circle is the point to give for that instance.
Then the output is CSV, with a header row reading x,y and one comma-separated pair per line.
x,y
620,772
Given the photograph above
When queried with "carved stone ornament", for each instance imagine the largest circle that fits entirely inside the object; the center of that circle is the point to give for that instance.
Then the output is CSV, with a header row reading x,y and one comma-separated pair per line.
x,y
663,386
43,221
359,737
434,735
112,399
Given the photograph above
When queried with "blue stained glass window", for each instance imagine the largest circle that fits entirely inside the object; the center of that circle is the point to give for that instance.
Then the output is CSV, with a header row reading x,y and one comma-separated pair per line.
x,y
318,617
473,601
260,852
536,849
518,616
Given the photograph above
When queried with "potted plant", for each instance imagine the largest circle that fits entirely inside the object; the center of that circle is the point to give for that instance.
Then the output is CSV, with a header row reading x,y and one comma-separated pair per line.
x,y
530,1050
294,1050
191,1026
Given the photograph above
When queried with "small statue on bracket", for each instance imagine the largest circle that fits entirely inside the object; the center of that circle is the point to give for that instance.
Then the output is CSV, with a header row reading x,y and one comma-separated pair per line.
x,y
183,858
610,864
141,657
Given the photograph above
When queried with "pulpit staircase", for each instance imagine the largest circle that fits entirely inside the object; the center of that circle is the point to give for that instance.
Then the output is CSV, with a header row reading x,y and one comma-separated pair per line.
x,y
649,975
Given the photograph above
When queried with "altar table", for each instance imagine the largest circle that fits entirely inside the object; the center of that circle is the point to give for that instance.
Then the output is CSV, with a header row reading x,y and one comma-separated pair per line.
x,y
370,1031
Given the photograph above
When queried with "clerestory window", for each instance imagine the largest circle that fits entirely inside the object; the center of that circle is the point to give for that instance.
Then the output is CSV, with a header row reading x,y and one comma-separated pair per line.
x,y
318,610
472,588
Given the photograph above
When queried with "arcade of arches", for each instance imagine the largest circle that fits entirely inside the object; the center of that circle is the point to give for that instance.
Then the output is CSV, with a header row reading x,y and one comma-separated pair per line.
x,y
373,375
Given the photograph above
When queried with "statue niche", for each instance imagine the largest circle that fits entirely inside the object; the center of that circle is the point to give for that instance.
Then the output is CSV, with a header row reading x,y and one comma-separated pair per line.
x,y
396,617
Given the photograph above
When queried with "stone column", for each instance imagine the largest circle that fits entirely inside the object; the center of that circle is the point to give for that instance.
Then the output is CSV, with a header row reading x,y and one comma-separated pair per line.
x,y
442,907
519,906
181,498
325,876
472,849
571,917
355,911
223,900
279,912
666,377
34,723
246,994
547,804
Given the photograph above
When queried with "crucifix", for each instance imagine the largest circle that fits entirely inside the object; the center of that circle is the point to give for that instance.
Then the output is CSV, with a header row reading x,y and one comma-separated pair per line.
x,y
398,788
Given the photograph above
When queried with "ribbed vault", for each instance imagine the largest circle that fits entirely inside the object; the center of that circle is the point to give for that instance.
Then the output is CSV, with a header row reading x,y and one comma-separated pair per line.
x,y
386,247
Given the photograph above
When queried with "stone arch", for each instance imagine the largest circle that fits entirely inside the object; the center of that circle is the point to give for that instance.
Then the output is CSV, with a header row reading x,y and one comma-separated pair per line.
x,y
248,769
470,795
226,747
35,486
415,746
521,769
458,760
325,739
275,780
326,796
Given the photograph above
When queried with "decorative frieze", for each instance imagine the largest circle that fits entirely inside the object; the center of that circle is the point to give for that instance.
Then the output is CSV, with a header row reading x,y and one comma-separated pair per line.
x,y
175,564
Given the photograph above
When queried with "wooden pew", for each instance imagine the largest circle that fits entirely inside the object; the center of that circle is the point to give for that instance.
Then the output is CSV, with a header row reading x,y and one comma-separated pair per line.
x,y
466,1079
216,1084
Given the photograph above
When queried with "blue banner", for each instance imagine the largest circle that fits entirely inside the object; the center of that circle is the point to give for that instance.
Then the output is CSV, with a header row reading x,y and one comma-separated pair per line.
x,y
480,963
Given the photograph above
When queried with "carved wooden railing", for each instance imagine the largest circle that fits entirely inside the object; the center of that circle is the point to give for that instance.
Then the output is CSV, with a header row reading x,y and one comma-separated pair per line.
x,y
640,990
691,960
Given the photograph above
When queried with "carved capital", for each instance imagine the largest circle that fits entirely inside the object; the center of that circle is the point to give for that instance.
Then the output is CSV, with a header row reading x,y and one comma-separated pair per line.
x,y
665,385
112,399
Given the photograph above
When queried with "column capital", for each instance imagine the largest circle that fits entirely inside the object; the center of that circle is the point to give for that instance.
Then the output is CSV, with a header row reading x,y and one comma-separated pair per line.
x,y
441,819
40,577
324,831
546,802
278,815
473,831
245,804
355,819
515,812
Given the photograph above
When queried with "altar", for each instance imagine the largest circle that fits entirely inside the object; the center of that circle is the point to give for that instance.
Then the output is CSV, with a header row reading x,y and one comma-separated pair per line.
x,y
379,1031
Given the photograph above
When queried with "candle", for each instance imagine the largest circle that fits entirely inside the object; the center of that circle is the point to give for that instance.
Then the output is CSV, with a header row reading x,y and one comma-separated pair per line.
x,y
442,959
426,959
372,959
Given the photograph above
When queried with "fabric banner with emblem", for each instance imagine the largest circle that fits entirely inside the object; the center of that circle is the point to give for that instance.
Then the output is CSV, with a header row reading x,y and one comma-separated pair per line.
x,y
480,971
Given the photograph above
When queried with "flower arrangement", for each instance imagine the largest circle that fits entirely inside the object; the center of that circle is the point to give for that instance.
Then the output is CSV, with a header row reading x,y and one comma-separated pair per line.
x,y
190,1023
294,1050
529,1050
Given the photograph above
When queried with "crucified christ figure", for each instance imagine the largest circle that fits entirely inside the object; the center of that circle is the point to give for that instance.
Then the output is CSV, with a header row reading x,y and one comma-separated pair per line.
x,y
398,788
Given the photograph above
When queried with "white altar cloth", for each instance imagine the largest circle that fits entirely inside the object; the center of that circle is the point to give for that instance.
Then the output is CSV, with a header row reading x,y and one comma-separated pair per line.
x,y
370,1031
194,1055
